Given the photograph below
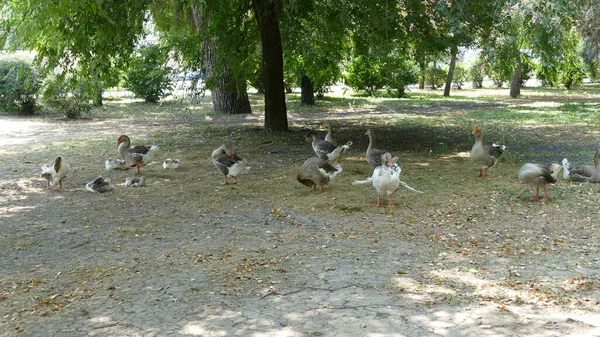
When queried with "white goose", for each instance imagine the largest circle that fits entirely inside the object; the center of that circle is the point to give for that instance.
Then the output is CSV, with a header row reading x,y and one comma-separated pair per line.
x,y
539,176
55,173
386,179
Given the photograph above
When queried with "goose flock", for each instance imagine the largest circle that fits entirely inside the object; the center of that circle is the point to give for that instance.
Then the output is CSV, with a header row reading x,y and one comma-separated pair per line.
x,y
324,166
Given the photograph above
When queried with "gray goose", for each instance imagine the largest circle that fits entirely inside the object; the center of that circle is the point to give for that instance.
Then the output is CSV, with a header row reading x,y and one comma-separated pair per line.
x,y
324,149
99,185
329,135
539,176
374,154
484,156
228,163
135,155
317,171
55,173
583,173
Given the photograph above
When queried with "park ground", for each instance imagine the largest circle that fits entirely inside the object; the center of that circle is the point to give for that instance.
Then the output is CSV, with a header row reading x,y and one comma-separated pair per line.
x,y
187,256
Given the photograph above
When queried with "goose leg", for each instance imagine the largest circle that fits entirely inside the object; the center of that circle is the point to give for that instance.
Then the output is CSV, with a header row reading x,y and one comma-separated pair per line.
x,y
378,200
235,180
537,194
545,194
391,203
225,182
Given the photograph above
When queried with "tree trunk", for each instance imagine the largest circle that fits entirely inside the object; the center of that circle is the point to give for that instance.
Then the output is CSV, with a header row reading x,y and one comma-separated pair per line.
x,y
267,17
454,51
515,83
226,98
422,70
97,98
307,95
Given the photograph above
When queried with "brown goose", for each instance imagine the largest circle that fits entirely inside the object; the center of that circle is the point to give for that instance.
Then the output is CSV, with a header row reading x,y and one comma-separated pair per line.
x,y
324,149
583,173
228,163
55,173
135,155
539,176
374,154
317,171
484,156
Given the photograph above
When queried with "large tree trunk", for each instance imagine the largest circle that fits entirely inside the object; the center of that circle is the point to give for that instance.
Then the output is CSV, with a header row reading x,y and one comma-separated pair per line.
x,y
267,17
453,51
225,96
515,83
307,94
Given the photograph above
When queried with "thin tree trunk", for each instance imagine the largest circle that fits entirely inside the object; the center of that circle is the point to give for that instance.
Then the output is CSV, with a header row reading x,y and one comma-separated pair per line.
x,y
454,51
515,83
226,98
97,99
422,70
307,94
267,17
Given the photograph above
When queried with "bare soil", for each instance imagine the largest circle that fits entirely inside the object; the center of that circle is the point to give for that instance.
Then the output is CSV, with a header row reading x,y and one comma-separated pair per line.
x,y
186,256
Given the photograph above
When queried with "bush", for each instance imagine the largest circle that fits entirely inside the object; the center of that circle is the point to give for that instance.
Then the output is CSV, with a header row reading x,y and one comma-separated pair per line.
x,y
401,75
365,74
476,74
19,86
64,95
435,76
148,75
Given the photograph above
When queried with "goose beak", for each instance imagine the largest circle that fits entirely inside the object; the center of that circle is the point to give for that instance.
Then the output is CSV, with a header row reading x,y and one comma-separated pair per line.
x,y
475,129
390,162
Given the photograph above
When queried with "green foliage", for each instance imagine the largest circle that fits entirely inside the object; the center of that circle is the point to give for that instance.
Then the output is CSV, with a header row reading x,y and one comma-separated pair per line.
x,y
460,76
64,94
19,86
476,73
148,75
435,76
366,74
400,75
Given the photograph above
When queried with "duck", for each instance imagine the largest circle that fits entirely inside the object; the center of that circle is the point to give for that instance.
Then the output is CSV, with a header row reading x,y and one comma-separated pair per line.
x,y
386,179
99,185
134,182
171,163
137,155
317,171
55,172
228,163
324,149
584,172
114,164
539,176
374,154
484,156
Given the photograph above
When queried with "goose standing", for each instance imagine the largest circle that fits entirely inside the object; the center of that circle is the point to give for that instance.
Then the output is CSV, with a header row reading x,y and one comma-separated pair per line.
x,y
55,173
324,149
583,173
329,135
374,154
539,176
317,171
484,156
136,155
228,163
386,179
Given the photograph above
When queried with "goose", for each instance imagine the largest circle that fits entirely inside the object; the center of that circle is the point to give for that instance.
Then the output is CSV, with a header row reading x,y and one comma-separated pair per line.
x,y
316,171
584,172
171,163
55,173
374,154
99,185
228,163
386,179
484,156
539,176
137,155
324,149
329,135
114,164
134,181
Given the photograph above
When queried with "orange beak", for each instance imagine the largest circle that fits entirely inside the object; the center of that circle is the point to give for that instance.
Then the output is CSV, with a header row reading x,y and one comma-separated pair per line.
x,y
475,129
390,162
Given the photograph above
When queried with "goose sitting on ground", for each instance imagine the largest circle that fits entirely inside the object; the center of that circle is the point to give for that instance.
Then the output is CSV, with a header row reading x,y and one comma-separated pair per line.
x,y
317,171
539,176
484,156
228,163
55,173
99,185
114,164
136,155
171,163
386,179
134,181
324,149
374,154
583,173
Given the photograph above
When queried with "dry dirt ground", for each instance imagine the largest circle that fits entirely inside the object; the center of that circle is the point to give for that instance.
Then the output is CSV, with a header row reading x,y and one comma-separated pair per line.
x,y
186,256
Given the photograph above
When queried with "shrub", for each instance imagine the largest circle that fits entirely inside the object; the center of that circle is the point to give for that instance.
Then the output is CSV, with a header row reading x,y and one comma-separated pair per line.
x,y
148,75
365,74
19,86
435,76
476,74
66,96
